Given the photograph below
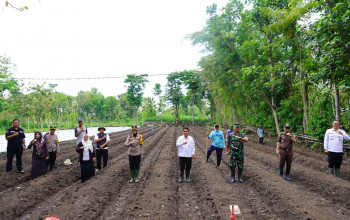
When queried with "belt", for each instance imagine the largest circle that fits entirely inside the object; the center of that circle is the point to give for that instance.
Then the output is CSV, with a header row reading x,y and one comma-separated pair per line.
x,y
286,149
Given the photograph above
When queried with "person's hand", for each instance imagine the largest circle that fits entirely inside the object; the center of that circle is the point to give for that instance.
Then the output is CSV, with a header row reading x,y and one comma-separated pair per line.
x,y
15,134
132,142
82,147
58,153
101,147
289,134
207,134
339,132
24,148
326,151
227,153
46,134
104,137
46,158
277,152
34,141
192,155
94,159
141,156
185,142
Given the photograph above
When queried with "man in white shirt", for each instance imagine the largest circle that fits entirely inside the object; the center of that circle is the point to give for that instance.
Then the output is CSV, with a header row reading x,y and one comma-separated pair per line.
x,y
186,149
333,146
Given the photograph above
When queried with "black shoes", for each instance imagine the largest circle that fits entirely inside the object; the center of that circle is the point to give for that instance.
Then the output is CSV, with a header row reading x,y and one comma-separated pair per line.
x,y
288,178
240,176
22,171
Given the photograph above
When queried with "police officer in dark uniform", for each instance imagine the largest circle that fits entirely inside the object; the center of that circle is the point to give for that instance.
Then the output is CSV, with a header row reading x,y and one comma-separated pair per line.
x,y
285,150
16,144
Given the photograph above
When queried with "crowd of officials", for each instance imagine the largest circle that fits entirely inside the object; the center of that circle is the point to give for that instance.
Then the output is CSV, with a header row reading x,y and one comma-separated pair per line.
x,y
46,148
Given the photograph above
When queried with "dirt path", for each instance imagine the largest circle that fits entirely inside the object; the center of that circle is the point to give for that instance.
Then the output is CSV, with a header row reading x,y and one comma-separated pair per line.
x,y
313,194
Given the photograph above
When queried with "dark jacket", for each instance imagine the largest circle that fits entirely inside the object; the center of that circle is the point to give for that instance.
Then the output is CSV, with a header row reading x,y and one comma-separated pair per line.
x,y
80,151
43,152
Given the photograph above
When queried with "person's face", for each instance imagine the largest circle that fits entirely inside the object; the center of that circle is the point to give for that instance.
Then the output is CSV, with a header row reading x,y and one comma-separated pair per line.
x,y
52,131
37,135
286,130
101,131
186,132
336,124
231,128
80,123
217,128
134,131
15,124
237,129
86,138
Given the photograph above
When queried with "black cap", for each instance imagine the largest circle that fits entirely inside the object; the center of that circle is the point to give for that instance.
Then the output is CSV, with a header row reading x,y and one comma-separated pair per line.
x,y
237,124
101,127
80,120
52,128
216,125
286,126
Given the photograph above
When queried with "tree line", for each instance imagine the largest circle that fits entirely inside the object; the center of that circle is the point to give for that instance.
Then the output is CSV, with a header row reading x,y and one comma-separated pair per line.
x,y
39,106
272,62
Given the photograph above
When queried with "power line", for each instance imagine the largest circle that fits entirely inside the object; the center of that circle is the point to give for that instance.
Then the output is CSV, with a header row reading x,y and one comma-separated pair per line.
x,y
81,78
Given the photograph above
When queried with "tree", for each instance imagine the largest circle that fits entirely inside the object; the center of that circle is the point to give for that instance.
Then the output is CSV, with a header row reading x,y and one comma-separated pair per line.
x,y
136,85
157,91
192,81
173,92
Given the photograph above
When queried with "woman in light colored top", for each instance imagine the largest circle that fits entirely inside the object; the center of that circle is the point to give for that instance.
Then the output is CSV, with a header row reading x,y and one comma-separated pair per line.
x,y
134,141
186,149
86,151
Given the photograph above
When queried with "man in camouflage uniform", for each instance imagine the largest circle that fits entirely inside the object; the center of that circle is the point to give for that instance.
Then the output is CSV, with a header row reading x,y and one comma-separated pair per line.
x,y
235,141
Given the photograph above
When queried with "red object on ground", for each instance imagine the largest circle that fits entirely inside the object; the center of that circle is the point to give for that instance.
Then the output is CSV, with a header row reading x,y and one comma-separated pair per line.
x,y
233,217
52,218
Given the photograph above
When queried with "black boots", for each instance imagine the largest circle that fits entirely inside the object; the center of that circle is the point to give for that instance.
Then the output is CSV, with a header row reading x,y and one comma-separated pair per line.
x,y
181,176
240,175
233,173
337,172
288,178
281,172
188,176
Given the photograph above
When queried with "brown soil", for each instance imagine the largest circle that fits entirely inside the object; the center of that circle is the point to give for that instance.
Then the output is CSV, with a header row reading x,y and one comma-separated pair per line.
x,y
312,194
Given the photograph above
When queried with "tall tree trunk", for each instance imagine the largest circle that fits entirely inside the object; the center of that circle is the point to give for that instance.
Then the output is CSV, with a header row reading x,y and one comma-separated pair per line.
x,y
273,103
135,117
176,115
304,95
337,102
193,110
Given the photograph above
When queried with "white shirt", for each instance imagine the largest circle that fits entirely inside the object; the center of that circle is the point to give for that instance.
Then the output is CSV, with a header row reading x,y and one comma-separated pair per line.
x,y
107,139
185,150
333,141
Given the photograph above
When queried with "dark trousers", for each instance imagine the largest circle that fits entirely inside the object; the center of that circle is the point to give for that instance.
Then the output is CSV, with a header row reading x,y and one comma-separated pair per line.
x,y
218,153
134,162
87,170
99,155
185,164
10,154
335,160
261,139
51,161
286,157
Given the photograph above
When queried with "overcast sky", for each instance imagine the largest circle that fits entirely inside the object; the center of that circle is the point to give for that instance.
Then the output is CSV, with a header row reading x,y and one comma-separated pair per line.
x,y
90,38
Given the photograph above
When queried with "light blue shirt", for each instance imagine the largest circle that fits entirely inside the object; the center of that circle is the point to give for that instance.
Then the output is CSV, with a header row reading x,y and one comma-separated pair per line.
x,y
218,138
260,132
